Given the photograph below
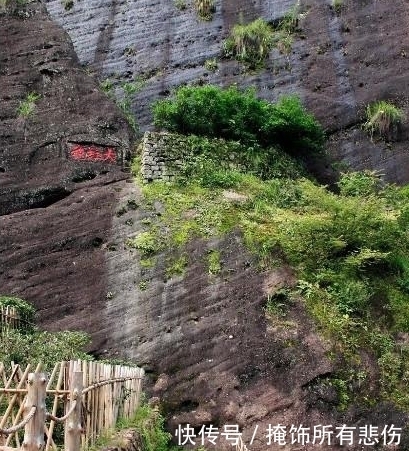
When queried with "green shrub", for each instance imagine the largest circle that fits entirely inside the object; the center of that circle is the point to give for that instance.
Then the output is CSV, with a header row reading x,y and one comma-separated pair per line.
x,y
337,5
177,266
277,303
68,4
210,175
204,155
146,242
42,346
361,183
330,228
24,308
180,4
211,111
225,164
30,345
214,262
350,296
211,65
26,107
289,22
240,116
383,118
284,31
291,127
250,43
150,424
280,193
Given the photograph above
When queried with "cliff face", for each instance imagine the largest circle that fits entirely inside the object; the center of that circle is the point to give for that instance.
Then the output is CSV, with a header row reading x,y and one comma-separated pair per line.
x,y
67,209
340,61
63,145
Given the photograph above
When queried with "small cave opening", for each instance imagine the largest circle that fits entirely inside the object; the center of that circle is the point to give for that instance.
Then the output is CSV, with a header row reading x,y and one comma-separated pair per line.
x,y
83,175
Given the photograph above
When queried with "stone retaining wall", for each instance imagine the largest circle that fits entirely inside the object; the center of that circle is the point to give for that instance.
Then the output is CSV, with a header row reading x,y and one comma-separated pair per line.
x,y
162,155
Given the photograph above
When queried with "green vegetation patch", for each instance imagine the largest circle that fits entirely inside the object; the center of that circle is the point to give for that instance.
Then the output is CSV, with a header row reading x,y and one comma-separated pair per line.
x,y
24,309
146,242
68,4
214,262
42,346
177,266
350,251
28,344
180,4
382,119
189,211
150,424
211,65
240,116
123,94
217,163
337,5
251,43
27,106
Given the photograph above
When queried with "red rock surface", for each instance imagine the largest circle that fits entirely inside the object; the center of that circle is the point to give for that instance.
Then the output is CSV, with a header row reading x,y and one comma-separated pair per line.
x,y
339,61
55,212
211,354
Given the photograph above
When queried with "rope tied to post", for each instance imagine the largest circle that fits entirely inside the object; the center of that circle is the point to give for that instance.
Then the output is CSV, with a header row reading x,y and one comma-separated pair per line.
x,y
109,381
51,417
20,425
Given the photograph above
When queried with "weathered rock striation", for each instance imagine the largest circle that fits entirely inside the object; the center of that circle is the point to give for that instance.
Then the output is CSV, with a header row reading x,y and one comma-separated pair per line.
x,y
63,147
340,61
66,209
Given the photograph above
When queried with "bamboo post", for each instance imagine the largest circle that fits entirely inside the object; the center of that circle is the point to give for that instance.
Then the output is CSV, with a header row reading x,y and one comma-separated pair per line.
x,y
59,366
73,426
94,414
34,429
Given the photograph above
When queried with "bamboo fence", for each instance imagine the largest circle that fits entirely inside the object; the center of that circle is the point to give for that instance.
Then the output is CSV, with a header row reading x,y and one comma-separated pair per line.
x,y
89,397
9,318
241,445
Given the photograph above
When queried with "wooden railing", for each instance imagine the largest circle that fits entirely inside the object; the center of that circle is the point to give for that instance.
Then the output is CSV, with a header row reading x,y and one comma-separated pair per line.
x,y
9,318
86,397
241,445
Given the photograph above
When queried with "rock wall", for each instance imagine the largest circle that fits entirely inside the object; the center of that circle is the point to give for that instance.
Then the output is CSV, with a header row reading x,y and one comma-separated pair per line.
x,y
167,46
62,157
160,155
164,155
68,209
339,61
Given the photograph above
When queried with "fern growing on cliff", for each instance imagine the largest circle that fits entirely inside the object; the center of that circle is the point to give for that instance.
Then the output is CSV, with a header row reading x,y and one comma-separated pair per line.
x,y
250,43
383,118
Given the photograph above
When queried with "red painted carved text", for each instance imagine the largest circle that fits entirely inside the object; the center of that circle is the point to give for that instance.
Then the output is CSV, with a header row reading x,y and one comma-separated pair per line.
x,y
93,153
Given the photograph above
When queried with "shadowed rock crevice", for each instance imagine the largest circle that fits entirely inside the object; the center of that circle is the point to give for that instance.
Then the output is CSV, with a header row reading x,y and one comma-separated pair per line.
x,y
38,198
